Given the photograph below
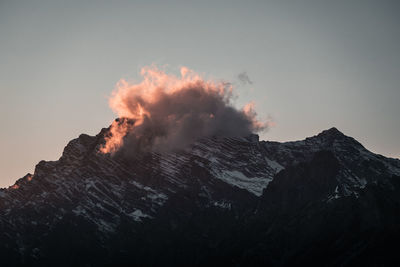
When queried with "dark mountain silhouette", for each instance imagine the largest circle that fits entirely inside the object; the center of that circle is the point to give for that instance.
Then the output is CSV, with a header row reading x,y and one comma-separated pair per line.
x,y
322,201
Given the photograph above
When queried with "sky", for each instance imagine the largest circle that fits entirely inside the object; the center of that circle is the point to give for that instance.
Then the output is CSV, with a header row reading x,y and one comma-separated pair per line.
x,y
307,65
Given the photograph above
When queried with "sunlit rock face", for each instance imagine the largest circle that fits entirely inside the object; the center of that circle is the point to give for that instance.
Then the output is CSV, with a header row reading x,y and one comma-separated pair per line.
x,y
325,200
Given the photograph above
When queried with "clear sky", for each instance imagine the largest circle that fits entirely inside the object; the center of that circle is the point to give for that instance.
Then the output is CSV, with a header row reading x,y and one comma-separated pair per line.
x,y
312,64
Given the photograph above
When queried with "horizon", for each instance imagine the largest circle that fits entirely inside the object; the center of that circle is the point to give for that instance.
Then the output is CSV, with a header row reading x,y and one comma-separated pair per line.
x,y
307,66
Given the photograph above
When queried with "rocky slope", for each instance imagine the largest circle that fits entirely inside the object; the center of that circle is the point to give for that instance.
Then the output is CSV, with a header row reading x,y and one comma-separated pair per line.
x,y
325,200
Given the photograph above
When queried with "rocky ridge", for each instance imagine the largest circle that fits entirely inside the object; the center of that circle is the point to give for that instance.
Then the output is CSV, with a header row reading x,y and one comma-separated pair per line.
x,y
234,200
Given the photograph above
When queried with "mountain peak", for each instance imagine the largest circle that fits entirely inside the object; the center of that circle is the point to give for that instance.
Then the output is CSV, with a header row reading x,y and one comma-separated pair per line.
x,y
334,132
333,135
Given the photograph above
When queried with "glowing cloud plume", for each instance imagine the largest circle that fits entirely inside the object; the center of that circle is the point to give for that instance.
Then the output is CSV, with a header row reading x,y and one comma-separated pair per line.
x,y
168,112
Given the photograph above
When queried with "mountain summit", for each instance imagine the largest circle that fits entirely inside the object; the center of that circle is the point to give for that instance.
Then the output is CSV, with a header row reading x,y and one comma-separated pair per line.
x,y
325,200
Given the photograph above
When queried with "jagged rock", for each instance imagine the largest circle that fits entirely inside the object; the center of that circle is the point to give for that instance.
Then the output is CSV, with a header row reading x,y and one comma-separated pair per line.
x,y
325,200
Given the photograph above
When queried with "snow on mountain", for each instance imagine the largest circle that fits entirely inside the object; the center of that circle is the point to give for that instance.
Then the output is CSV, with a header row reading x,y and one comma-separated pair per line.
x,y
229,174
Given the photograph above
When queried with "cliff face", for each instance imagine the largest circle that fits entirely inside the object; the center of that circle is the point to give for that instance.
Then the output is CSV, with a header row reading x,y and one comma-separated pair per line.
x,y
324,200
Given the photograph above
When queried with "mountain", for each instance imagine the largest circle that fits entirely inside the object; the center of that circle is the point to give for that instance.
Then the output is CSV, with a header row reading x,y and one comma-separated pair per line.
x,y
324,201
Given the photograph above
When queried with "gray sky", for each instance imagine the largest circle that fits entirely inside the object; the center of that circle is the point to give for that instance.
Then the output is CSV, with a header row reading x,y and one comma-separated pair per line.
x,y
312,65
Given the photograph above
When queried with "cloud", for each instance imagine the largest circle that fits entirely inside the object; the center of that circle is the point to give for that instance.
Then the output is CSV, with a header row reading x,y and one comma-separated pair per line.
x,y
244,78
165,112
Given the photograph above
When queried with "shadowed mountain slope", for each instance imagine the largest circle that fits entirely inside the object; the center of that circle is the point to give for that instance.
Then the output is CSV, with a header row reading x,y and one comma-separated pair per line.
x,y
325,200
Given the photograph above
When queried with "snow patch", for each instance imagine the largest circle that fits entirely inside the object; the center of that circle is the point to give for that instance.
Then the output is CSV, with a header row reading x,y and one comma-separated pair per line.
x,y
79,211
254,185
223,204
137,215
274,165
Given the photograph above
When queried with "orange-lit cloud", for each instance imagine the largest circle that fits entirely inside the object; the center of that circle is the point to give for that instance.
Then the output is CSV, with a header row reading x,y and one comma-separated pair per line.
x,y
165,111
